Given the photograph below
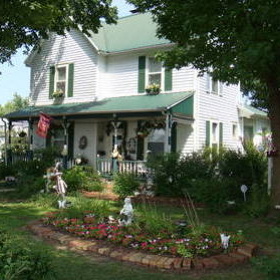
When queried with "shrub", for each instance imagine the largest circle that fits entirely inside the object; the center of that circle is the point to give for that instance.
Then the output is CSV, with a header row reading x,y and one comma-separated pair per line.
x,y
173,174
258,201
82,177
125,184
21,261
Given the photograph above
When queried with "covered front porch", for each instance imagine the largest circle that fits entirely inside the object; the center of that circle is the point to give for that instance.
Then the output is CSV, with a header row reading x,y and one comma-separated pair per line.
x,y
132,125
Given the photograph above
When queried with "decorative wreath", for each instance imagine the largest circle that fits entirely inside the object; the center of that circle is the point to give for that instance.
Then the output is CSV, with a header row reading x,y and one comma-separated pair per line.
x,y
83,142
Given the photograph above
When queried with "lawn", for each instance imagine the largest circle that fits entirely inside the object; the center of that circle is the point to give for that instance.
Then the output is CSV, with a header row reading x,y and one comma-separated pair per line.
x,y
69,265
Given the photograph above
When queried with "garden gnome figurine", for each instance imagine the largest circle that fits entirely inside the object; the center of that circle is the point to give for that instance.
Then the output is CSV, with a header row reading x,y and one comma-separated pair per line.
x,y
225,240
126,212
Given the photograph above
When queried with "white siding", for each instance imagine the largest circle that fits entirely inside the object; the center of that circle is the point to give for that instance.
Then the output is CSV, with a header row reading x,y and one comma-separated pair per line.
x,y
218,108
185,139
72,48
118,76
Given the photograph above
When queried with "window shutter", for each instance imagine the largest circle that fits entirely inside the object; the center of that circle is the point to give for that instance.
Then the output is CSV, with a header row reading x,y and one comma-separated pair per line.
x,y
168,79
221,134
51,81
70,80
174,138
141,73
207,141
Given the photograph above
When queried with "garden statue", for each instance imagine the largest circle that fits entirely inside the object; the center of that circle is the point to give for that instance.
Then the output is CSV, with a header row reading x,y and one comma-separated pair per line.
x,y
126,212
60,188
54,175
225,240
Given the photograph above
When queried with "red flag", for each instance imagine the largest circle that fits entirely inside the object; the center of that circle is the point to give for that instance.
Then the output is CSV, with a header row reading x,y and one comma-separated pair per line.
x,y
43,125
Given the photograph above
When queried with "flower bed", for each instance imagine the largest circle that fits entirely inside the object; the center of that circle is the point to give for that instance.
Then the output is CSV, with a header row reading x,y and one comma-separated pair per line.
x,y
186,244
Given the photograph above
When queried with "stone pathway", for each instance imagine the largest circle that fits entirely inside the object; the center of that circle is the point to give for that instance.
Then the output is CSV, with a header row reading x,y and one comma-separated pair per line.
x,y
241,255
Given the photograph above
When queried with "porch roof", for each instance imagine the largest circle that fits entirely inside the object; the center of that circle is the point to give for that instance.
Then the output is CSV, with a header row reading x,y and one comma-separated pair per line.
x,y
248,111
124,105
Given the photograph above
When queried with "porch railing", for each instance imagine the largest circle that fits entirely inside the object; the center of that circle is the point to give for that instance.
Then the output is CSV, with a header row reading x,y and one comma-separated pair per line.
x,y
107,168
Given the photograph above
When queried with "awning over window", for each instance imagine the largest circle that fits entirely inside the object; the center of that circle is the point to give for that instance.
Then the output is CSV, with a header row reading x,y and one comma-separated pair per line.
x,y
137,105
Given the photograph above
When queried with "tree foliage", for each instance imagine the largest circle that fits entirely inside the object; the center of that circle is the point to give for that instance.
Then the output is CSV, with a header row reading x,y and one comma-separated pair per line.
x,y
25,22
18,102
236,40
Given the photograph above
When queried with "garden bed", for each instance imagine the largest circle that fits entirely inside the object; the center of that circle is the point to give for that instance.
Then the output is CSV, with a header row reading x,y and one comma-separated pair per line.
x,y
239,255
180,249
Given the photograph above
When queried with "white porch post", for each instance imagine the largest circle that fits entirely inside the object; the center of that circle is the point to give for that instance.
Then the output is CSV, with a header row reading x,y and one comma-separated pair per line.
x,y
167,142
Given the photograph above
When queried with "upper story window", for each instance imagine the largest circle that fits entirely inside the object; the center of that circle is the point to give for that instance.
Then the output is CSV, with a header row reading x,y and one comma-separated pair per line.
x,y
154,71
61,78
151,72
214,86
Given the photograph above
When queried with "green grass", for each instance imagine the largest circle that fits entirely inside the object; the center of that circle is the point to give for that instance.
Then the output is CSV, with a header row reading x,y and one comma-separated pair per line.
x,y
69,265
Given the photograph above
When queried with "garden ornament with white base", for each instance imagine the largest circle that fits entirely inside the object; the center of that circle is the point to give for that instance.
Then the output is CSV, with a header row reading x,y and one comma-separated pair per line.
x,y
126,212
225,240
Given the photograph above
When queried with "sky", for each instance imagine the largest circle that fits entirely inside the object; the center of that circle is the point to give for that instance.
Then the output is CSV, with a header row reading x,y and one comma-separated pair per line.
x,y
16,78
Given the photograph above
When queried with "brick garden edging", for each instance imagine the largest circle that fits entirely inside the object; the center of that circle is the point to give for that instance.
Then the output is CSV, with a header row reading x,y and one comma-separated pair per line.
x,y
241,255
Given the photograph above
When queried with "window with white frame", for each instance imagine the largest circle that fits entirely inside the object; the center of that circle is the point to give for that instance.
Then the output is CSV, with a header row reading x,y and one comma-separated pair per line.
x,y
154,72
215,135
214,86
61,78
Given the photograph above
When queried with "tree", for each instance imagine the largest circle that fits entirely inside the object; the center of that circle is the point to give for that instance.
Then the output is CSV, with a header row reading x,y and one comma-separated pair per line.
x,y
26,22
18,102
238,39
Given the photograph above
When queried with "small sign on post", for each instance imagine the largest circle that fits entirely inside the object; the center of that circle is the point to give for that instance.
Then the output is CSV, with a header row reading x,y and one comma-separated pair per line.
x,y
244,189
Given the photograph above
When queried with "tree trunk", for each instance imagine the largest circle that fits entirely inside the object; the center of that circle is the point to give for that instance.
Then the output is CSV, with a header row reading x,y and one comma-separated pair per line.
x,y
274,115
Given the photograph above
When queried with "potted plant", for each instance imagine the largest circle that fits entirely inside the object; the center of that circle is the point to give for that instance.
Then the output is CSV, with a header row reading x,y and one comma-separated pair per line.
x,y
58,94
153,89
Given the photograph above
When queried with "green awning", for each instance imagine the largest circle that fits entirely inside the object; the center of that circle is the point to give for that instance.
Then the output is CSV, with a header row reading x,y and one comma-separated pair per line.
x,y
125,105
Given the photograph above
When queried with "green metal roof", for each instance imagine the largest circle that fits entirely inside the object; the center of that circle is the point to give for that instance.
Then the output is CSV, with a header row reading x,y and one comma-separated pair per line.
x,y
255,111
123,104
131,32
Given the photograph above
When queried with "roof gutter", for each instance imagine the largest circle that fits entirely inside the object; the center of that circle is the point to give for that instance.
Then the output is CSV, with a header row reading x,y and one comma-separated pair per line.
x,y
107,53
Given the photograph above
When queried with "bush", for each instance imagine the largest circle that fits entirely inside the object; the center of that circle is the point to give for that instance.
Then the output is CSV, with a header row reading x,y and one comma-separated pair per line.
x,y
258,201
125,184
173,175
82,177
21,261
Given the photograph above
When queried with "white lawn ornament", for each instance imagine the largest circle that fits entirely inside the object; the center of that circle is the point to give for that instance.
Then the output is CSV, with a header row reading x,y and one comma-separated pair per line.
x,y
225,240
126,212
244,189
60,188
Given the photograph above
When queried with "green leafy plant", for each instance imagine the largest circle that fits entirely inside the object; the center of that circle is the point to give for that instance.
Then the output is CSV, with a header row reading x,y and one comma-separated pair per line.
x,y
21,261
125,184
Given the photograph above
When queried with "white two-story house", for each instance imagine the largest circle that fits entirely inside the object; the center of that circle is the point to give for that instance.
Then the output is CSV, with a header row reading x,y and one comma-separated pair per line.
x,y
102,80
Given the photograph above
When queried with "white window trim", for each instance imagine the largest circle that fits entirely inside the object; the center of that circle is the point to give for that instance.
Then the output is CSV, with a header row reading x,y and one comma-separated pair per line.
x,y
56,77
217,142
148,73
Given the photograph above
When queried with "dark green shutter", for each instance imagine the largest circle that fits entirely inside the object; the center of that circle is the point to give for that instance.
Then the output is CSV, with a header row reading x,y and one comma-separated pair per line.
x,y
140,145
141,73
168,79
51,81
70,80
174,138
71,141
221,135
207,142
